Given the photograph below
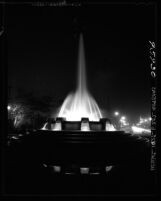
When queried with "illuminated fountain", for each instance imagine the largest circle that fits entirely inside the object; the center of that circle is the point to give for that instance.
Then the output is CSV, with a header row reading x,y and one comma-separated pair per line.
x,y
80,106
81,103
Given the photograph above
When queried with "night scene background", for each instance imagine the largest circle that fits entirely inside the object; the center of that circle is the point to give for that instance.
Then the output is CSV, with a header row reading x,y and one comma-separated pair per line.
x,y
43,53
42,59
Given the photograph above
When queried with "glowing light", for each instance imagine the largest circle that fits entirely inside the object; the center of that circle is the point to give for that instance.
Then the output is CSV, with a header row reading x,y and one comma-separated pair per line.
x,y
14,137
81,103
45,165
57,126
9,107
44,127
84,170
69,173
95,173
123,118
57,168
136,129
108,168
116,113
110,127
85,126
144,120
20,135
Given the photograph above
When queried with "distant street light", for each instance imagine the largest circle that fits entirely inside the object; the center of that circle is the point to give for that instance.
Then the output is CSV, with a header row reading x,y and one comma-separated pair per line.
x,y
123,121
116,113
123,118
8,107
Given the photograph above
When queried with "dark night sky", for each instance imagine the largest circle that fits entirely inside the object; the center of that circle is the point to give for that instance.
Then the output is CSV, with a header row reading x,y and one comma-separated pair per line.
x,y
43,49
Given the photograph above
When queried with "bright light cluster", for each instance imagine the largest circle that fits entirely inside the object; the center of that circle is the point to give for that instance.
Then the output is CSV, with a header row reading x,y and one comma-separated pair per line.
x,y
123,121
16,112
144,120
57,126
139,130
78,105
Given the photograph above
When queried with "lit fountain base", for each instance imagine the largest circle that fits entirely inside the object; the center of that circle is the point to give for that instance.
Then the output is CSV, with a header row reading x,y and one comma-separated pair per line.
x,y
85,143
60,124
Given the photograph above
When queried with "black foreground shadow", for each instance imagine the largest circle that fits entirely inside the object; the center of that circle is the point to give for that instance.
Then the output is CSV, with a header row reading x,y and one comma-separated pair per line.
x,y
29,162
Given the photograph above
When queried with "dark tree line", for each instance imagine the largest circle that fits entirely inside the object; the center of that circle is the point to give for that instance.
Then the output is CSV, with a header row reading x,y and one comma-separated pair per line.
x,y
29,111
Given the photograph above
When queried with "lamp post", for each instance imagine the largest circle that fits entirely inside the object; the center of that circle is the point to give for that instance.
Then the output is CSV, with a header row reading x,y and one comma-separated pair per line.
x,y
116,115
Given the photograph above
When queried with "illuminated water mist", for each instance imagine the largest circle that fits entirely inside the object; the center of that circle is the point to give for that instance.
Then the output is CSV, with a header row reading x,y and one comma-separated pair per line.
x,y
81,103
